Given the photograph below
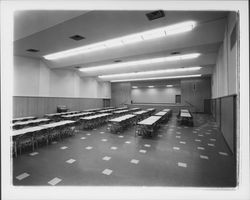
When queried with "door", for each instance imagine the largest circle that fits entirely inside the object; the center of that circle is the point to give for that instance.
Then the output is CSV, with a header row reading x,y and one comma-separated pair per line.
x,y
177,98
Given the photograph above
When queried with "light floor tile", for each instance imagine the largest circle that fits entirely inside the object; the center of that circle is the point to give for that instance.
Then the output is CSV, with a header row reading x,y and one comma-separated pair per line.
x,y
207,133
200,135
107,171
127,142
212,139
102,132
70,161
83,138
177,136
134,161
223,153
89,148
143,151
201,148
106,158
54,181
195,132
182,142
33,153
204,157
104,140
181,164
147,145
121,136
209,144
94,129
88,134
113,148
64,147
22,176
176,148
178,132
54,142
196,140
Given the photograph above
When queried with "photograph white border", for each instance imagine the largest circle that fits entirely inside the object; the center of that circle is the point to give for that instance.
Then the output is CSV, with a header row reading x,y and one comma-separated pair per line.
x,y
82,192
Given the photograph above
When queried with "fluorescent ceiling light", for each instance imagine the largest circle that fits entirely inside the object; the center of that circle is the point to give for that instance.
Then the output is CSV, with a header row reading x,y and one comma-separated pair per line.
x,y
151,86
150,72
156,78
140,62
134,87
126,40
169,86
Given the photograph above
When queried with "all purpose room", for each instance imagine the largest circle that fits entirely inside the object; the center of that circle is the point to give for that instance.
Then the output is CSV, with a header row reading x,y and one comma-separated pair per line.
x,y
125,98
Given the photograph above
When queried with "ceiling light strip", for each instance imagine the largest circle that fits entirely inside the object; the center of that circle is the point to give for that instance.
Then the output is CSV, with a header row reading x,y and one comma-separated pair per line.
x,y
156,78
186,69
126,40
140,62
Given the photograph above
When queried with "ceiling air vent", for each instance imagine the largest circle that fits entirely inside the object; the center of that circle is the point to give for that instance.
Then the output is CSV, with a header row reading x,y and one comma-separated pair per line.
x,y
117,61
175,53
32,50
77,67
155,15
77,37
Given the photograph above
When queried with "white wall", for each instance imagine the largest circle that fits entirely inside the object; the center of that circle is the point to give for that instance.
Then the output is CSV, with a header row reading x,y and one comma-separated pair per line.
x,y
155,95
224,79
32,77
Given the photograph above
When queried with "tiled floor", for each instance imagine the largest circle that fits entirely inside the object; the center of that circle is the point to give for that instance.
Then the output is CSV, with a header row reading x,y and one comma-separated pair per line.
x,y
99,158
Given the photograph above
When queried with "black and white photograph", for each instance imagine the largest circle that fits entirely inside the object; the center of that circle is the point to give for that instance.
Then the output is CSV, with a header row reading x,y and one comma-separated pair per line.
x,y
128,100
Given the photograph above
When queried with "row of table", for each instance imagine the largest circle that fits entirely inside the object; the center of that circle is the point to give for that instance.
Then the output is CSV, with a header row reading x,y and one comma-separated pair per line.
x,y
185,117
148,126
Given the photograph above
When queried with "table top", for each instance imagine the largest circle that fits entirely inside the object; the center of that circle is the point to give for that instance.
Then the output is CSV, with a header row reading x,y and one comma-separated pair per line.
x,y
77,115
23,118
121,108
184,114
95,116
27,130
62,113
56,124
185,110
166,110
30,121
122,118
134,108
140,112
107,110
150,120
120,111
161,113
151,109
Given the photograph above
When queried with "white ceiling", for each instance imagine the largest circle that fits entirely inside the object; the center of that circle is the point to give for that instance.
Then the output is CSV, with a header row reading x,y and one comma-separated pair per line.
x,y
98,26
31,22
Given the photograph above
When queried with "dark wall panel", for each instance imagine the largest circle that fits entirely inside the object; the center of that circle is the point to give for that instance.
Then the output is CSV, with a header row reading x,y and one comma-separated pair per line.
x,y
38,106
227,121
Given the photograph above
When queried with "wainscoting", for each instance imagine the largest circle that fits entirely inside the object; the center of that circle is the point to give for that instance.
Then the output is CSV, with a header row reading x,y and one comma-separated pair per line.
x,y
38,106
224,112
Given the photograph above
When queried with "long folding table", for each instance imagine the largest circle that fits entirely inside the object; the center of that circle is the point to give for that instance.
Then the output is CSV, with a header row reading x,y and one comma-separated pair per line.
x,y
31,135
148,126
23,119
35,122
185,117
94,120
120,123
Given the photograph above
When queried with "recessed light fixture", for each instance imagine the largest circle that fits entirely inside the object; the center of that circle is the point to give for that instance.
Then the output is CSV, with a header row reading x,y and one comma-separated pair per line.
x,y
140,62
126,40
157,78
151,86
169,86
134,87
150,72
